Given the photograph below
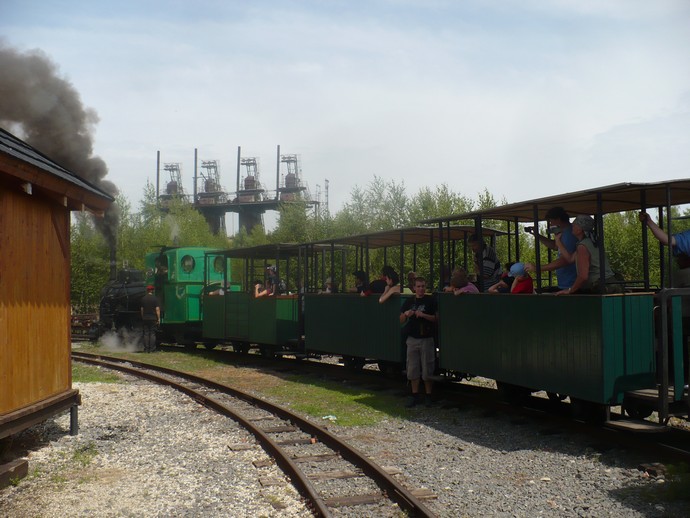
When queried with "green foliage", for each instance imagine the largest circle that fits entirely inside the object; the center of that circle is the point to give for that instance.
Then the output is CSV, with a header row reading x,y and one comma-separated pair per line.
x,y
296,225
243,239
435,203
90,264
623,244
382,206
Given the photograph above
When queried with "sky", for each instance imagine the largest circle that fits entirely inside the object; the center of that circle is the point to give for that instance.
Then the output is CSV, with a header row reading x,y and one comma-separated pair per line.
x,y
524,98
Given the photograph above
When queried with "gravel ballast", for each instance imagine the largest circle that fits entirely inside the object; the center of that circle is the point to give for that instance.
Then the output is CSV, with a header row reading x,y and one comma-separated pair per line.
x,y
146,450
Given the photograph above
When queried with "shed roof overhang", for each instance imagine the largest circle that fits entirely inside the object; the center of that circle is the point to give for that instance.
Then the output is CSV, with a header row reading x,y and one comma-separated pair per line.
x,y
20,164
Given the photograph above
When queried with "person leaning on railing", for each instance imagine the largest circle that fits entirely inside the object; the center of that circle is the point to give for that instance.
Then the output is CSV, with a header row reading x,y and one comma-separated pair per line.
x,y
586,259
558,221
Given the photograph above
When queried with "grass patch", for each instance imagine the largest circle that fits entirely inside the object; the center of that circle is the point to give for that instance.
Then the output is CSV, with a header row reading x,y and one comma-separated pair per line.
x,y
84,454
351,406
172,359
91,374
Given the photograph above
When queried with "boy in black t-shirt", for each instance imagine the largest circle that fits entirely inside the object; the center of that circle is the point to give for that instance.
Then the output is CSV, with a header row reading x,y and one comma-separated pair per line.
x,y
420,314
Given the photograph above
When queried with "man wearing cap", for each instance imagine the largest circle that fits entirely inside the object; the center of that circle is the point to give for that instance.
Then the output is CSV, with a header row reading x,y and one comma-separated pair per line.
x,y
150,317
558,222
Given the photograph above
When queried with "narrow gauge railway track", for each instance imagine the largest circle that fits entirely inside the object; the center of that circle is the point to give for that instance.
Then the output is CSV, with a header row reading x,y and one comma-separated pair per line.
x,y
670,442
353,465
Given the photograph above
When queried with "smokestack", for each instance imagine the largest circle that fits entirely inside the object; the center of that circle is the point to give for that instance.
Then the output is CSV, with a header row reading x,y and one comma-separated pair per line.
x,y
47,112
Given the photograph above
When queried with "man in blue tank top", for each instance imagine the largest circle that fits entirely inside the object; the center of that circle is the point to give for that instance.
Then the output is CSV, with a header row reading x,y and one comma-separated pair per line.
x,y
558,222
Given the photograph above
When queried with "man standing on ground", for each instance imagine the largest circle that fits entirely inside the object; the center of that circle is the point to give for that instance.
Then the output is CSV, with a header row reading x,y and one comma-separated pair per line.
x,y
150,317
420,314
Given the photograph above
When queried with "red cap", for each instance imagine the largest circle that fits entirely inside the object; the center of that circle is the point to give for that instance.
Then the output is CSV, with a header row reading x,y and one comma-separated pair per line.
x,y
149,287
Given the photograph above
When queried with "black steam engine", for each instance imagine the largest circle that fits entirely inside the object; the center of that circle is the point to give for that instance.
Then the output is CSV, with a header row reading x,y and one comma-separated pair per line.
x,y
120,304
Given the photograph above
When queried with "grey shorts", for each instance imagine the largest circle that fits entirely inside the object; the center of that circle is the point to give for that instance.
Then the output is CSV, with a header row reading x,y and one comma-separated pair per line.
x,y
421,358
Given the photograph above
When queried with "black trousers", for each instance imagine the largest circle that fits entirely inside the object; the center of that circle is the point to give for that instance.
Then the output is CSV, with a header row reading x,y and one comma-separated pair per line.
x,y
149,335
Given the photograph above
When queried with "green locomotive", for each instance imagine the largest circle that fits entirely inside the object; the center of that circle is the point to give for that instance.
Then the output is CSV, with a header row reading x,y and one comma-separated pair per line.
x,y
179,276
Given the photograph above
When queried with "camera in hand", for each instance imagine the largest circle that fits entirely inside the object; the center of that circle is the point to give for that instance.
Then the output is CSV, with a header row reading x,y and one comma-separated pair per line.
x,y
555,229
529,229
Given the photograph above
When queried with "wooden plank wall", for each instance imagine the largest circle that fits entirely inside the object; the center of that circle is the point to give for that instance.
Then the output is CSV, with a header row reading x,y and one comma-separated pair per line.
x,y
34,299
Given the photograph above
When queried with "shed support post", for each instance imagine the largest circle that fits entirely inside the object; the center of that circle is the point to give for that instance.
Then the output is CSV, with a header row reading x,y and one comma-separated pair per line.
x,y
74,420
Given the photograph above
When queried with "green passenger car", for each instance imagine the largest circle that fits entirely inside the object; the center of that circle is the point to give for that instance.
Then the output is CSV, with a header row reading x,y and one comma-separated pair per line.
x,y
359,327
590,347
240,318
234,315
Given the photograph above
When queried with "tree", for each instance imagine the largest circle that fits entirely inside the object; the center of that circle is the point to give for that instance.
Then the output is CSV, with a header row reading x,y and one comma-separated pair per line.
x,y
89,263
382,206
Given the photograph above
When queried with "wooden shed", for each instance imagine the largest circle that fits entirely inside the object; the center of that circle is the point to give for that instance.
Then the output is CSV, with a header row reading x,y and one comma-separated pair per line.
x,y
36,197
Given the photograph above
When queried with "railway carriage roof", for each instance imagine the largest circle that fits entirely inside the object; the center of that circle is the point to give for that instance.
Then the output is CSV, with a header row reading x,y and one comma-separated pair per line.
x,y
271,251
614,198
409,236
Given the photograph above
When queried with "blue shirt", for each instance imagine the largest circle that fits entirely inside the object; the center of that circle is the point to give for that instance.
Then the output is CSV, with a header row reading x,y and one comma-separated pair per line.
x,y
682,243
567,274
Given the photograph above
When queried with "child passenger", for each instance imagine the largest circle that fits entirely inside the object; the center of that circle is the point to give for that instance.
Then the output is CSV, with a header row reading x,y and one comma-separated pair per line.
x,y
459,283
506,282
522,282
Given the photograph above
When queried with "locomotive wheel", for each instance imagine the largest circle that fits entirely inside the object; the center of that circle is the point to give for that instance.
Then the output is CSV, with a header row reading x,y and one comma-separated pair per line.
x,y
190,346
210,346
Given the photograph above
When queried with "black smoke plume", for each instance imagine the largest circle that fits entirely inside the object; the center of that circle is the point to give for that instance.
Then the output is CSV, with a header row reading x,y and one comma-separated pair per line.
x,y
46,111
